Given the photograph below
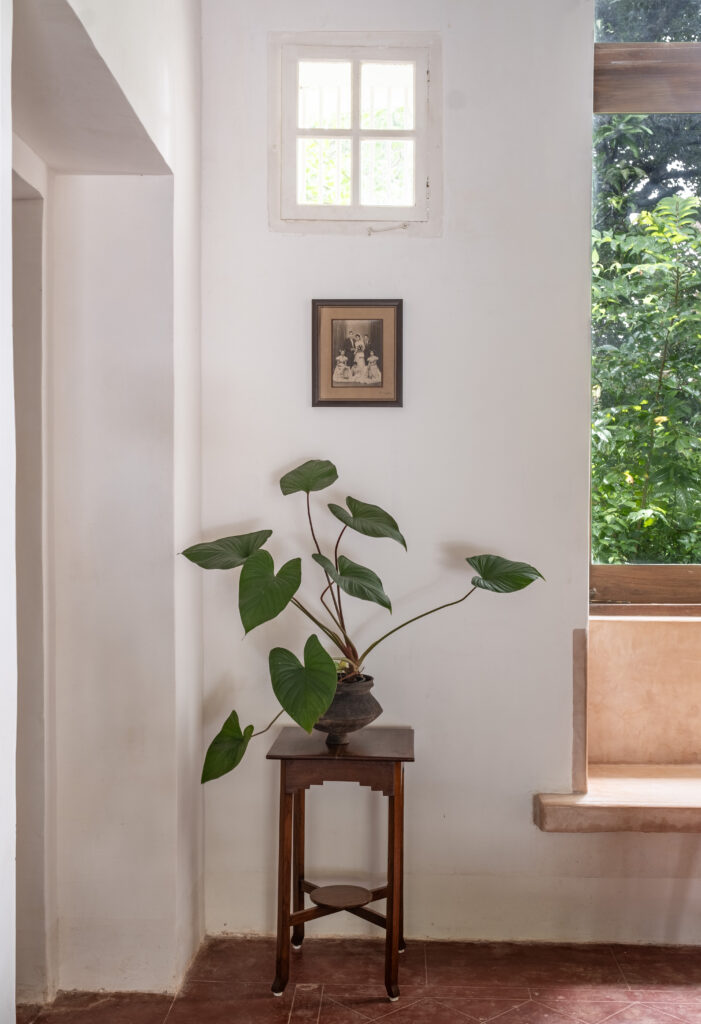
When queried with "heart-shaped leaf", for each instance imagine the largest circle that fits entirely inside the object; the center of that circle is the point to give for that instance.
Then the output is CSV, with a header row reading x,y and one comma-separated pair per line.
x,y
370,520
314,475
262,594
500,575
355,579
228,552
305,691
226,749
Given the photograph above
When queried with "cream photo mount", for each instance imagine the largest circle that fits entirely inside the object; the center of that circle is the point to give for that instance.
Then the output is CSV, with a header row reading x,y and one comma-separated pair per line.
x,y
357,352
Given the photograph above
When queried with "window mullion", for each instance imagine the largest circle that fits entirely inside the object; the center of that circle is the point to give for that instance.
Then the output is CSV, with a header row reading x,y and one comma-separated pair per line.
x,y
355,123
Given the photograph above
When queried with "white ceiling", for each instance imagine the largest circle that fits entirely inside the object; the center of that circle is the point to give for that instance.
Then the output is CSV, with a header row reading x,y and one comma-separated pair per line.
x,y
66,104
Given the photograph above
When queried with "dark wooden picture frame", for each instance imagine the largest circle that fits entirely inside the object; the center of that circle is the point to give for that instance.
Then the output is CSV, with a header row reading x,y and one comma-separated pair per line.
x,y
357,352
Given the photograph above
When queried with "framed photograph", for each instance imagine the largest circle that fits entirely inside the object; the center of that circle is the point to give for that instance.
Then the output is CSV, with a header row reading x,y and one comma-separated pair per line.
x,y
357,352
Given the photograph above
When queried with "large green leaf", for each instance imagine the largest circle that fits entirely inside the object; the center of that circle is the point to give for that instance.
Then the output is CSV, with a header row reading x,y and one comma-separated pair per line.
x,y
262,594
314,475
226,749
228,552
370,520
304,690
355,579
500,575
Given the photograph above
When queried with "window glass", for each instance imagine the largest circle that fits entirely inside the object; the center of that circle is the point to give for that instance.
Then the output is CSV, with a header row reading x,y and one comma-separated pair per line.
x,y
387,172
646,329
323,172
387,96
648,21
324,94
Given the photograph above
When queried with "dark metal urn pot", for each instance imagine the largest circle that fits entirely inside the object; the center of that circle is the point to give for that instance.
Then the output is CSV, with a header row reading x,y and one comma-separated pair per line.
x,y
352,708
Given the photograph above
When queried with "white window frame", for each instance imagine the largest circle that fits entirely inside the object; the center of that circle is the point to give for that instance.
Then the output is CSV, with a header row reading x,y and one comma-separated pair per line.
x,y
286,51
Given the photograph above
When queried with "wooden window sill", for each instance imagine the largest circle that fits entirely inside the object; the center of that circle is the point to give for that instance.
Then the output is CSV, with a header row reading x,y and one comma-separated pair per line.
x,y
627,798
650,611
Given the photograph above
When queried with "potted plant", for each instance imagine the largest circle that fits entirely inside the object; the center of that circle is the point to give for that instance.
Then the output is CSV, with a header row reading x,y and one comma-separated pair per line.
x,y
323,692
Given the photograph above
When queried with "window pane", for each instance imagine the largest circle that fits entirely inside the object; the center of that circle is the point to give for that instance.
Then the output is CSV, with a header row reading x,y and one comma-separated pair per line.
x,y
387,172
324,94
646,326
324,172
387,96
648,21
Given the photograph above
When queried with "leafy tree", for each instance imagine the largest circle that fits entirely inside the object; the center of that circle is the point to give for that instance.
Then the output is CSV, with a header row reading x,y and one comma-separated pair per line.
x,y
654,21
640,159
646,440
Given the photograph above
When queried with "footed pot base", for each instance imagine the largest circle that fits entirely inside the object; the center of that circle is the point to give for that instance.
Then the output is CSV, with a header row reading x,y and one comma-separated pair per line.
x,y
352,708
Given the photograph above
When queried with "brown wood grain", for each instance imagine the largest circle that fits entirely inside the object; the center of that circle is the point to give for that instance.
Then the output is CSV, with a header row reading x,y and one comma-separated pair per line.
x,y
375,758
647,78
660,611
341,897
645,584
381,743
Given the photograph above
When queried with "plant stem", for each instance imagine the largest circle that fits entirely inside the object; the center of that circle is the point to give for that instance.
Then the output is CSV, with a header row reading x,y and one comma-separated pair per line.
x,y
338,618
261,731
423,615
329,610
334,637
338,589
335,551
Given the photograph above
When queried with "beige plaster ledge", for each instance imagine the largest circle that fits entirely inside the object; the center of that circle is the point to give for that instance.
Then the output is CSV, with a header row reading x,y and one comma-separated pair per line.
x,y
627,798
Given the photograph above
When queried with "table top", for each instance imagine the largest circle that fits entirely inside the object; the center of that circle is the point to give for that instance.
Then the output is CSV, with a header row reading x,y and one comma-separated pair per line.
x,y
379,743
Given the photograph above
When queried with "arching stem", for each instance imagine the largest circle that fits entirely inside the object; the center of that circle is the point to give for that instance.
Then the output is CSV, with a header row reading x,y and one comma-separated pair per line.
x,y
408,622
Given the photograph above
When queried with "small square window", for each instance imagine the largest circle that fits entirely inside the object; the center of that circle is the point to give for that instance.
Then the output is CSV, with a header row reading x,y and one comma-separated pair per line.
x,y
358,140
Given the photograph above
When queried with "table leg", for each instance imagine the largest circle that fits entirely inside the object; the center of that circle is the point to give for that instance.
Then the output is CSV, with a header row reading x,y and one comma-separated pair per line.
x,y
282,959
298,866
402,943
394,881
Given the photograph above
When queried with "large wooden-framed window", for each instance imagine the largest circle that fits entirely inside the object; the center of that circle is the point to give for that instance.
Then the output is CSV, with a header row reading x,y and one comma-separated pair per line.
x,y
647,78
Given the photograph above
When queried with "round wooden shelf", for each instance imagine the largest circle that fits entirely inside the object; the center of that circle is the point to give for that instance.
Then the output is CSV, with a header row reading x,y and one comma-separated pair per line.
x,y
340,897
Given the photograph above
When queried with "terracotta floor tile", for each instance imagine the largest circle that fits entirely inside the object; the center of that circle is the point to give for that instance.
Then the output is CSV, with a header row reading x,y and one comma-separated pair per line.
x,y
105,1008
335,1013
234,959
257,1010
27,1013
690,1013
586,1011
371,1003
515,993
226,990
425,1011
457,963
534,1013
306,1004
341,981
356,962
480,1009
666,994
652,965
555,995
641,1013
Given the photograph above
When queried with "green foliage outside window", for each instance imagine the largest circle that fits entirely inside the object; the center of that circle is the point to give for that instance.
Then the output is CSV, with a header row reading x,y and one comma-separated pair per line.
x,y
648,21
646,325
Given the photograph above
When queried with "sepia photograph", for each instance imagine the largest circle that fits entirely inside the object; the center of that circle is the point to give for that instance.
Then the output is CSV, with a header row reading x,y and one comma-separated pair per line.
x,y
357,352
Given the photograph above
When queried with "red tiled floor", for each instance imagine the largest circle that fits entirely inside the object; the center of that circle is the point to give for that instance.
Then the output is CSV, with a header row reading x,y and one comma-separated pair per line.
x,y
121,1008
340,981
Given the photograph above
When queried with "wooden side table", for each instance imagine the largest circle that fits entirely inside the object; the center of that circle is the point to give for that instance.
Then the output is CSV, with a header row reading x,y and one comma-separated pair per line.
x,y
374,757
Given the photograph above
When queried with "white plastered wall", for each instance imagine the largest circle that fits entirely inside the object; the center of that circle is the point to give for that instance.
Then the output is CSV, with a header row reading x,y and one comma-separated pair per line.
x,y
33,898
490,452
123,468
153,50
8,634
